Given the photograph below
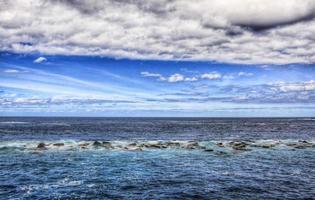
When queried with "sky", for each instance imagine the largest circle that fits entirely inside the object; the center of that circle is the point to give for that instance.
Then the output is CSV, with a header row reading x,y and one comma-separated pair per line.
x,y
181,58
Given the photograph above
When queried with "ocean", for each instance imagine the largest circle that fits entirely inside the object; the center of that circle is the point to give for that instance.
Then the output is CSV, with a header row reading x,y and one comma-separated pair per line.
x,y
157,158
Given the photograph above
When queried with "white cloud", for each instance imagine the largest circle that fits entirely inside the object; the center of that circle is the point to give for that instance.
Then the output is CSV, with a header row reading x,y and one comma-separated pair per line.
x,y
171,79
148,74
11,71
40,60
247,74
176,78
302,86
220,30
191,79
211,76
57,100
156,75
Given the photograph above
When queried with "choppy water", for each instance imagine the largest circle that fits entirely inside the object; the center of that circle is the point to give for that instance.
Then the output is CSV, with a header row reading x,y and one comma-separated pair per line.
x,y
154,158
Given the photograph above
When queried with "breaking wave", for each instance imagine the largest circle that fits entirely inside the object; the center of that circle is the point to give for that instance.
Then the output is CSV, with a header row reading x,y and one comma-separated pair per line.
x,y
13,122
244,145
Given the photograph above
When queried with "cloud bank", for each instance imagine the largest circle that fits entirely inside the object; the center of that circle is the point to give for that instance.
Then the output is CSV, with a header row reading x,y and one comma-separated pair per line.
x,y
237,31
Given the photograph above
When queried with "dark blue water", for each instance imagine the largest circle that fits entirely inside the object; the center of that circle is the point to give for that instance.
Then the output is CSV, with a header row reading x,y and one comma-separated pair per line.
x,y
154,158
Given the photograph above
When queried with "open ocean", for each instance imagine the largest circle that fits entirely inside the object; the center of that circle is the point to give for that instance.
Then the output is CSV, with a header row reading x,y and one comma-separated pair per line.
x,y
157,158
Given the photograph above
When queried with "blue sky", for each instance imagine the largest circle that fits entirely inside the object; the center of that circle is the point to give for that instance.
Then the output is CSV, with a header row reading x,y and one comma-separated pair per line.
x,y
95,86
218,58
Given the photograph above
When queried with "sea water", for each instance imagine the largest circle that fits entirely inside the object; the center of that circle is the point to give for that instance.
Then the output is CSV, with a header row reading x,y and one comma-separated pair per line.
x,y
157,158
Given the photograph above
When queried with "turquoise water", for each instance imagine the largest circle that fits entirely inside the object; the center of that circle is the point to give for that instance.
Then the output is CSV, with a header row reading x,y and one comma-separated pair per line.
x,y
39,164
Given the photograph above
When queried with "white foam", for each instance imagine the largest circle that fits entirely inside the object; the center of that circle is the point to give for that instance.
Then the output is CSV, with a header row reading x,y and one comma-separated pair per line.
x,y
14,122
240,145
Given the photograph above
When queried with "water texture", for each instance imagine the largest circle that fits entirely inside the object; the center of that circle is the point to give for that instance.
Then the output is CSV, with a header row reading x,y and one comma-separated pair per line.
x,y
157,158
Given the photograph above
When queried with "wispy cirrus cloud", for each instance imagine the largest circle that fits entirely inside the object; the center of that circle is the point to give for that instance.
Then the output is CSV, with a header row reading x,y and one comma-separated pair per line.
x,y
237,31
58,100
155,75
45,83
11,71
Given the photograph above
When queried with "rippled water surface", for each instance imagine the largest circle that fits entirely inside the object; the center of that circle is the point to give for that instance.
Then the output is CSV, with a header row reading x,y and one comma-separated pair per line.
x,y
154,158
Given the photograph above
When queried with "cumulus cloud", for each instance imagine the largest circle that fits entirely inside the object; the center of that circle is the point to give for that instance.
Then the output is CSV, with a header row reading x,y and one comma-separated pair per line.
x,y
40,60
171,79
211,76
176,78
240,31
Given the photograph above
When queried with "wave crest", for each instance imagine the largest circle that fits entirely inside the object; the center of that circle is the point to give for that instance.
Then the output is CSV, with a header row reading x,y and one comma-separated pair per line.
x,y
239,146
